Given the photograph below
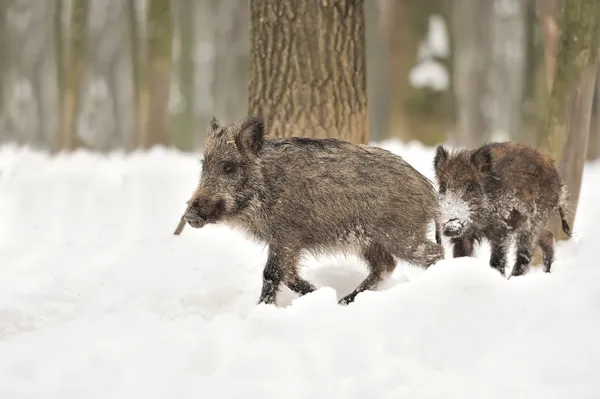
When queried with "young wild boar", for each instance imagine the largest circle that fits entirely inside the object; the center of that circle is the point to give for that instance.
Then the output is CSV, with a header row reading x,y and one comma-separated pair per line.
x,y
497,192
314,195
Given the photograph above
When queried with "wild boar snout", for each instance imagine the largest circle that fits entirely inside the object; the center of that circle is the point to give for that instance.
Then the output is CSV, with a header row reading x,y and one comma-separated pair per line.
x,y
453,228
203,210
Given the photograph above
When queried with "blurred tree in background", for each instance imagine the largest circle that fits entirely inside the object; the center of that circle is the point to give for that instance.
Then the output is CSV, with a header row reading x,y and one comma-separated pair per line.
x,y
420,68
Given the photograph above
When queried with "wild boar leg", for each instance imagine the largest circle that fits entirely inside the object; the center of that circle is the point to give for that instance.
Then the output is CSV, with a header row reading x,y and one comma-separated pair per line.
x,y
423,252
499,248
546,243
299,285
380,262
280,260
463,246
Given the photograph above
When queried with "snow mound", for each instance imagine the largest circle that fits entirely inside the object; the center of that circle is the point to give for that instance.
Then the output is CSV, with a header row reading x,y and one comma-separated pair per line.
x,y
98,299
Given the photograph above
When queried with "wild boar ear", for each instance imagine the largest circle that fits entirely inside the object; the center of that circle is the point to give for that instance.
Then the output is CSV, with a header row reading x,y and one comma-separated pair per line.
x,y
441,154
482,159
250,138
214,124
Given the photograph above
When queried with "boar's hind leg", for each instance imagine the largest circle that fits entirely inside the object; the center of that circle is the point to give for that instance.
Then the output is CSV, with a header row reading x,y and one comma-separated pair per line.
x,y
525,245
546,243
280,260
380,262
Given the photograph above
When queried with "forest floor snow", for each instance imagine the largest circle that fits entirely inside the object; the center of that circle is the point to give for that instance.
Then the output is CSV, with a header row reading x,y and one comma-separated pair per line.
x,y
98,299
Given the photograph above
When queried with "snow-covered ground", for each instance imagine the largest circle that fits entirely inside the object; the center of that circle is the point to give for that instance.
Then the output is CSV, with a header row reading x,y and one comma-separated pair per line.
x,y
98,299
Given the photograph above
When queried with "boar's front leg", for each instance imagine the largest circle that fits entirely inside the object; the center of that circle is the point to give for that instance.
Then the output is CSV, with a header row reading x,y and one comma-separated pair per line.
x,y
279,262
380,262
298,284
499,249
463,246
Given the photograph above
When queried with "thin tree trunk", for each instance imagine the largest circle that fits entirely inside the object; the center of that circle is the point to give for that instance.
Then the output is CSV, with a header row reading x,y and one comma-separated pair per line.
x,y
100,123
471,62
594,142
548,13
307,73
572,93
183,116
378,78
160,36
3,65
420,107
597,127
70,70
507,68
232,57
138,29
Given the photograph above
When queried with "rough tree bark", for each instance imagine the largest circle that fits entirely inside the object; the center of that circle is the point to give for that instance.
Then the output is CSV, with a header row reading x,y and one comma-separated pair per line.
x,y
572,93
307,68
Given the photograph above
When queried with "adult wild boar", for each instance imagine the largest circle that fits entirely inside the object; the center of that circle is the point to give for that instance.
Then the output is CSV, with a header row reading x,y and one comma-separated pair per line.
x,y
497,192
314,195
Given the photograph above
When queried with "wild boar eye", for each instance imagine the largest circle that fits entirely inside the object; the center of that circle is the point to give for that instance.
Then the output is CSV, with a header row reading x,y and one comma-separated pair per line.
x,y
442,188
471,187
228,167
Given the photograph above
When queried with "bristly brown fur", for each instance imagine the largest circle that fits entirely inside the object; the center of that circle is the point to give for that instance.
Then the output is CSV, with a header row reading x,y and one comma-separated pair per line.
x,y
315,195
510,190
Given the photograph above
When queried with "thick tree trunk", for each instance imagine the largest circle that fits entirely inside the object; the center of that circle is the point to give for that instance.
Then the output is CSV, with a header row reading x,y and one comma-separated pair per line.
x,y
307,73
570,110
